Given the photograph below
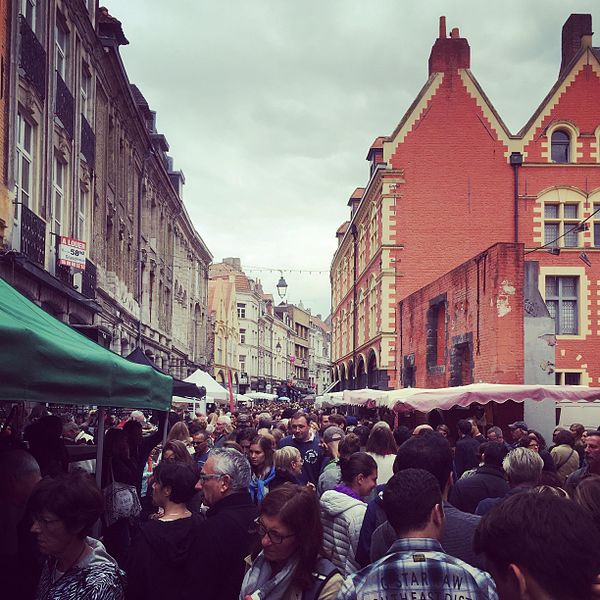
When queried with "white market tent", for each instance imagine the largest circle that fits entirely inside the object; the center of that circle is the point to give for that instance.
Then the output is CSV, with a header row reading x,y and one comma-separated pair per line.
x,y
215,392
261,396
425,400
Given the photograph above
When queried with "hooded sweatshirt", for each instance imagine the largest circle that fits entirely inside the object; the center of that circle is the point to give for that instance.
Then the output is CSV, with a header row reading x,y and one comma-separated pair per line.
x,y
342,517
161,563
95,577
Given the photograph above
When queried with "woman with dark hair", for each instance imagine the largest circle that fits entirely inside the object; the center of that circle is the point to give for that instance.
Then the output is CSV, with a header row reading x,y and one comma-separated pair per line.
x,y
381,445
343,510
117,466
63,511
168,538
564,455
263,469
535,441
177,450
290,563
47,446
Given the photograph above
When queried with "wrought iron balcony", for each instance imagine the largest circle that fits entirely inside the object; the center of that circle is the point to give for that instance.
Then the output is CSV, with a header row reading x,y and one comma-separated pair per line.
x,y
65,105
89,280
33,236
33,59
61,272
88,142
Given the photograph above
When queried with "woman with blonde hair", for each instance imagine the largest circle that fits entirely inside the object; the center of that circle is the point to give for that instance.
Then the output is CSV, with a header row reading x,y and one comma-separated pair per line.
x,y
288,466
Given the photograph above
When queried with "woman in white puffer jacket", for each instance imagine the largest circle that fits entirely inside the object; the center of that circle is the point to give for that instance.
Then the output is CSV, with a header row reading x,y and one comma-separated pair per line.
x,y
342,510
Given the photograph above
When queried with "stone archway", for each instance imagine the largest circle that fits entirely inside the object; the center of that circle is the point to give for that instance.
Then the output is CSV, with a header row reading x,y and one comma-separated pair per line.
x,y
361,375
343,379
372,372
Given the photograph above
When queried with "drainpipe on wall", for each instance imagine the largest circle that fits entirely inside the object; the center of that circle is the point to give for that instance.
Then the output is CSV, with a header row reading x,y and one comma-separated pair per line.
x,y
354,232
516,161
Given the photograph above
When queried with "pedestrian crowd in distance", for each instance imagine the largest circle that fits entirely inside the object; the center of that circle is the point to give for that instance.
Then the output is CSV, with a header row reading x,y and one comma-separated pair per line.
x,y
285,503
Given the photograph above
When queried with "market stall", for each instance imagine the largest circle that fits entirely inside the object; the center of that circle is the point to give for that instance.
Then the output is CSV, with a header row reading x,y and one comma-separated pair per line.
x,y
44,360
425,400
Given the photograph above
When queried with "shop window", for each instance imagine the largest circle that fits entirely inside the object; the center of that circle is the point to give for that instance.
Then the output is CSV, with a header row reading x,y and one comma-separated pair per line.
x,y
561,146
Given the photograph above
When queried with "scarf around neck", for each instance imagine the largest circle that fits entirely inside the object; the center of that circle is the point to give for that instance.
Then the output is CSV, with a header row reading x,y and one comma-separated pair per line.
x,y
259,579
258,486
344,489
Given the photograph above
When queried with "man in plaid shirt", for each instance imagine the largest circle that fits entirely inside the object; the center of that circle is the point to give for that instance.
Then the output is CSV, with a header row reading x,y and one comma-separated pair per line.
x,y
417,568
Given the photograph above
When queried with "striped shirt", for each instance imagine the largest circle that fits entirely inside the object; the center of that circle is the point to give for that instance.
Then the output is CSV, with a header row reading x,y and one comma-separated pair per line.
x,y
418,569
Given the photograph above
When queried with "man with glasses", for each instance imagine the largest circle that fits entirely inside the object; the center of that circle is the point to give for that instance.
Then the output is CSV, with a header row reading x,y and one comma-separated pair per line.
x,y
200,442
224,539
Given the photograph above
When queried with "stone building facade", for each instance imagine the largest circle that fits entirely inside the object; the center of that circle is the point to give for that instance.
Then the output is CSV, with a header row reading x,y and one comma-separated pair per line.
x,y
5,205
85,161
319,355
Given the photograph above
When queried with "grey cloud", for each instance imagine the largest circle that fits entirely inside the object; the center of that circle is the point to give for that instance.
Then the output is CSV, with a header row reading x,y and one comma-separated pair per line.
x,y
270,105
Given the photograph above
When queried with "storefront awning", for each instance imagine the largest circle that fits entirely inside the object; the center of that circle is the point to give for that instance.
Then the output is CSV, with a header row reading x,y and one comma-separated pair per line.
x,y
45,360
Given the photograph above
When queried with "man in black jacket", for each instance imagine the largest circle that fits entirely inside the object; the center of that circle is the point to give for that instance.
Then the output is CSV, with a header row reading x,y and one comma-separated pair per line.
x,y
224,539
488,481
466,455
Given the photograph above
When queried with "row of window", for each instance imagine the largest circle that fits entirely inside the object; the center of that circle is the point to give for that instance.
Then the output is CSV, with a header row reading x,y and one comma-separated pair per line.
x,y
562,224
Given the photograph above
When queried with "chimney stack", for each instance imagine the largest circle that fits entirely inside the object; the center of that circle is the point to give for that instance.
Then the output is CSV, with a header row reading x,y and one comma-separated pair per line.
x,y
449,53
442,35
575,28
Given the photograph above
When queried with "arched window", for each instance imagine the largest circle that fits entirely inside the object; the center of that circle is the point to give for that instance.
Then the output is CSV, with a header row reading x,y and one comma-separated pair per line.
x,y
561,146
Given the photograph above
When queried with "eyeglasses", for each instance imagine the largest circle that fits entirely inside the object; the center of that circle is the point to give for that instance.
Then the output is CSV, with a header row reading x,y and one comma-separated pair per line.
x,y
276,538
207,476
45,523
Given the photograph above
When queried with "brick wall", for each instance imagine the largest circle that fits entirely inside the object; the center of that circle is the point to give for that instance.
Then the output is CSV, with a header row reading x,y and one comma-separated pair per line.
x,y
467,325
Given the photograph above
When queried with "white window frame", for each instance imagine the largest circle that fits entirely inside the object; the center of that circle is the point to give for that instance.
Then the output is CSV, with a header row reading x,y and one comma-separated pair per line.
x,y
24,193
85,93
28,8
564,224
81,212
57,207
560,298
241,310
61,51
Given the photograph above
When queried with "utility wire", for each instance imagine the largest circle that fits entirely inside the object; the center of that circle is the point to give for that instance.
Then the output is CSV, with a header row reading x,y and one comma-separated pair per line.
x,y
577,227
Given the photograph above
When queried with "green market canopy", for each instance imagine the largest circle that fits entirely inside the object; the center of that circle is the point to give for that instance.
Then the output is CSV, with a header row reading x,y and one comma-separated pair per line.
x,y
45,360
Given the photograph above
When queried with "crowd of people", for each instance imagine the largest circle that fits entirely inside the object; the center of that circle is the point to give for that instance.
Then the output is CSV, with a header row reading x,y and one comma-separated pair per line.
x,y
285,503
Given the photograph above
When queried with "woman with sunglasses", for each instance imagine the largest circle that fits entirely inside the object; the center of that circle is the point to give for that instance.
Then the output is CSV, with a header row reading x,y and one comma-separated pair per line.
x,y
289,565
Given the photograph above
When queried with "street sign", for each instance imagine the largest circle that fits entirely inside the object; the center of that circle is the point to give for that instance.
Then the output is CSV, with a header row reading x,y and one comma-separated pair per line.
x,y
71,253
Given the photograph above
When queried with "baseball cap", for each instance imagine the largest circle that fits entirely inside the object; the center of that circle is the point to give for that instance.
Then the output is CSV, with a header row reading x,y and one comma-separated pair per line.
x,y
333,434
518,425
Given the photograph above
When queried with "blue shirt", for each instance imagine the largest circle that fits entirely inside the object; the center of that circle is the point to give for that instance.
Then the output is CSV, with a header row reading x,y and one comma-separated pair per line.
x,y
418,568
312,457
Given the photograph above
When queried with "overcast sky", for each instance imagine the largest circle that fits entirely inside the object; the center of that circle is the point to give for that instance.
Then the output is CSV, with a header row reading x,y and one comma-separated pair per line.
x,y
270,106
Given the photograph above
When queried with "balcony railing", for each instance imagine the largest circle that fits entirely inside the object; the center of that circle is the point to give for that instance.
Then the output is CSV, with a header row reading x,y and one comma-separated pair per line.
x,y
33,59
33,236
65,105
89,280
61,272
88,142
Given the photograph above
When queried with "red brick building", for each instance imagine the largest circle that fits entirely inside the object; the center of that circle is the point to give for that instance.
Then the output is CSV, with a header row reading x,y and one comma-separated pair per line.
x,y
451,181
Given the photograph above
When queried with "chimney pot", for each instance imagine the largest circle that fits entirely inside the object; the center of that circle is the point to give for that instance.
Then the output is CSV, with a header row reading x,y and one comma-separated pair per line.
x,y
442,28
455,33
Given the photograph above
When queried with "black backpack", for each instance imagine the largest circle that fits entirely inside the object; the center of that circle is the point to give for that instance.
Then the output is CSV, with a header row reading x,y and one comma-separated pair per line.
x,y
323,572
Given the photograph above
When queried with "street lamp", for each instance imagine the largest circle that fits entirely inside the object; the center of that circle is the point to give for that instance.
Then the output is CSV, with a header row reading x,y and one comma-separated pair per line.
x,y
282,287
278,348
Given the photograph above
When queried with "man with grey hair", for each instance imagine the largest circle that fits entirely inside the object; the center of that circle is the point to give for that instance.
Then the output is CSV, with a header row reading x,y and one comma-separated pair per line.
x,y
223,539
495,434
523,468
